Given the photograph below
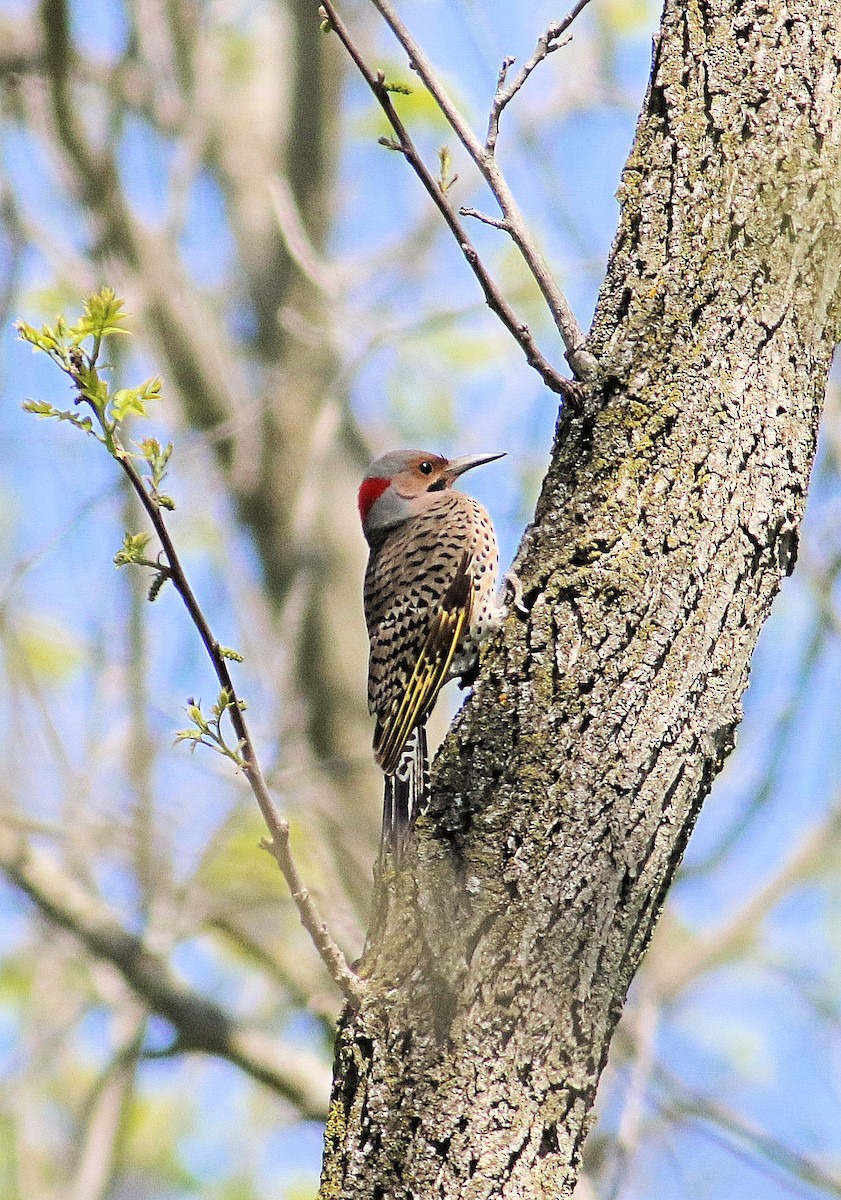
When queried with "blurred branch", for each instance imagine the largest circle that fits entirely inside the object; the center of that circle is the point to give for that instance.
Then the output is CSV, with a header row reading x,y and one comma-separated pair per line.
x,y
200,1024
297,239
96,171
311,142
583,364
149,859
22,54
296,988
675,1102
74,831
777,757
737,1133
11,256
200,355
99,1148
671,975
437,190
630,1122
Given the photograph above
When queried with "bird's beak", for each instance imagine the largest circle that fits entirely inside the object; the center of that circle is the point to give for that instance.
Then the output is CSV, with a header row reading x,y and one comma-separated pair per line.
x,y
457,466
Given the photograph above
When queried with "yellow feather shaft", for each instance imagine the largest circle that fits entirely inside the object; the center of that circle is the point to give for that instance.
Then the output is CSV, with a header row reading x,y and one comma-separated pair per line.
x,y
424,684
399,725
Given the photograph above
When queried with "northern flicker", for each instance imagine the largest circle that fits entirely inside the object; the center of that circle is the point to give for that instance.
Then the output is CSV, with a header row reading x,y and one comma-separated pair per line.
x,y
430,599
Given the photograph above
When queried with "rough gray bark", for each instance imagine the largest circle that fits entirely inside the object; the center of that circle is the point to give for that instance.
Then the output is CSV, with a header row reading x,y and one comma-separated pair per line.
x,y
565,796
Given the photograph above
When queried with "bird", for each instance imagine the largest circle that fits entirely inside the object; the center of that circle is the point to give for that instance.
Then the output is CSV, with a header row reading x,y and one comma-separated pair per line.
x,y
430,600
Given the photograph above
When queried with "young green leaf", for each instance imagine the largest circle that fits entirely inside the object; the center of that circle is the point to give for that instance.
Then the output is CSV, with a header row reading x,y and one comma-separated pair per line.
x,y
103,314
208,731
445,162
40,408
133,549
233,655
157,457
133,401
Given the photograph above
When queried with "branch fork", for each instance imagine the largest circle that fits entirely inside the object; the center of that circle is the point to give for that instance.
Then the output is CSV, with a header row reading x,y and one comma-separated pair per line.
x,y
512,222
547,44
376,81
583,364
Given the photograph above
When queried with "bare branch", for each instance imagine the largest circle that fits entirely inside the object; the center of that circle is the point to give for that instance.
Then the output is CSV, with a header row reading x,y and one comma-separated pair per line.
x,y
200,1024
583,364
404,145
278,845
467,211
546,44
507,64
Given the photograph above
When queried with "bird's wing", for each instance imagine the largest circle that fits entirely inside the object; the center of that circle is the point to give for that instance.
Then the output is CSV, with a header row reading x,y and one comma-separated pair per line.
x,y
446,627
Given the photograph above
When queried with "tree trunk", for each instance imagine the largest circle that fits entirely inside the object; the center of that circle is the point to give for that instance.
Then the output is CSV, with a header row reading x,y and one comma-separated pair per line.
x,y
564,798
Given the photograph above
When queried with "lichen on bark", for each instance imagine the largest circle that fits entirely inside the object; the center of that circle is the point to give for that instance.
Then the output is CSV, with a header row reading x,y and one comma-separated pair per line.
x,y
565,795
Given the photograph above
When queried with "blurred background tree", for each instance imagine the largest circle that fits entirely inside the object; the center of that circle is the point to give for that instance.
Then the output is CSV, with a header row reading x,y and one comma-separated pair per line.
x,y
291,283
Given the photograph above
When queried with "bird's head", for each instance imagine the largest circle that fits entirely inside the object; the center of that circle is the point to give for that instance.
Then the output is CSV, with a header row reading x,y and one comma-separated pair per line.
x,y
401,484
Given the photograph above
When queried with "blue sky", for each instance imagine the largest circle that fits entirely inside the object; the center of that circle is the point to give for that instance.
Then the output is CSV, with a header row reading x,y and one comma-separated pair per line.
x,y
745,1034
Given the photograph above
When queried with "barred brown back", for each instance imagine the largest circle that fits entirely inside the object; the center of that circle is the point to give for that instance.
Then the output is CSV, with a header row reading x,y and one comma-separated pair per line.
x,y
429,601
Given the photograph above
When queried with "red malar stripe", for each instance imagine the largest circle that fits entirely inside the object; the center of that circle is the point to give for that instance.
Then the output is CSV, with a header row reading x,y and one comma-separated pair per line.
x,y
370,491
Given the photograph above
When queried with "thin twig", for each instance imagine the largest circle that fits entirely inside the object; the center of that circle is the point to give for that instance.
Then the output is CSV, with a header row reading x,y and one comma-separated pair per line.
x,y
547,43
278,845
583,364
404,145
467,211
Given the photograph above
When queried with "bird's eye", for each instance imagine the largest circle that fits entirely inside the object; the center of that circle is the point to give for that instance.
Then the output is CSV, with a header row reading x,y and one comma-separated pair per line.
x,y
425,468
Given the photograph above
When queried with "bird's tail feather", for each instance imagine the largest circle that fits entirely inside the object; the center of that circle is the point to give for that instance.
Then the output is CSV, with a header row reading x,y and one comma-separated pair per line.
x,y
406,793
